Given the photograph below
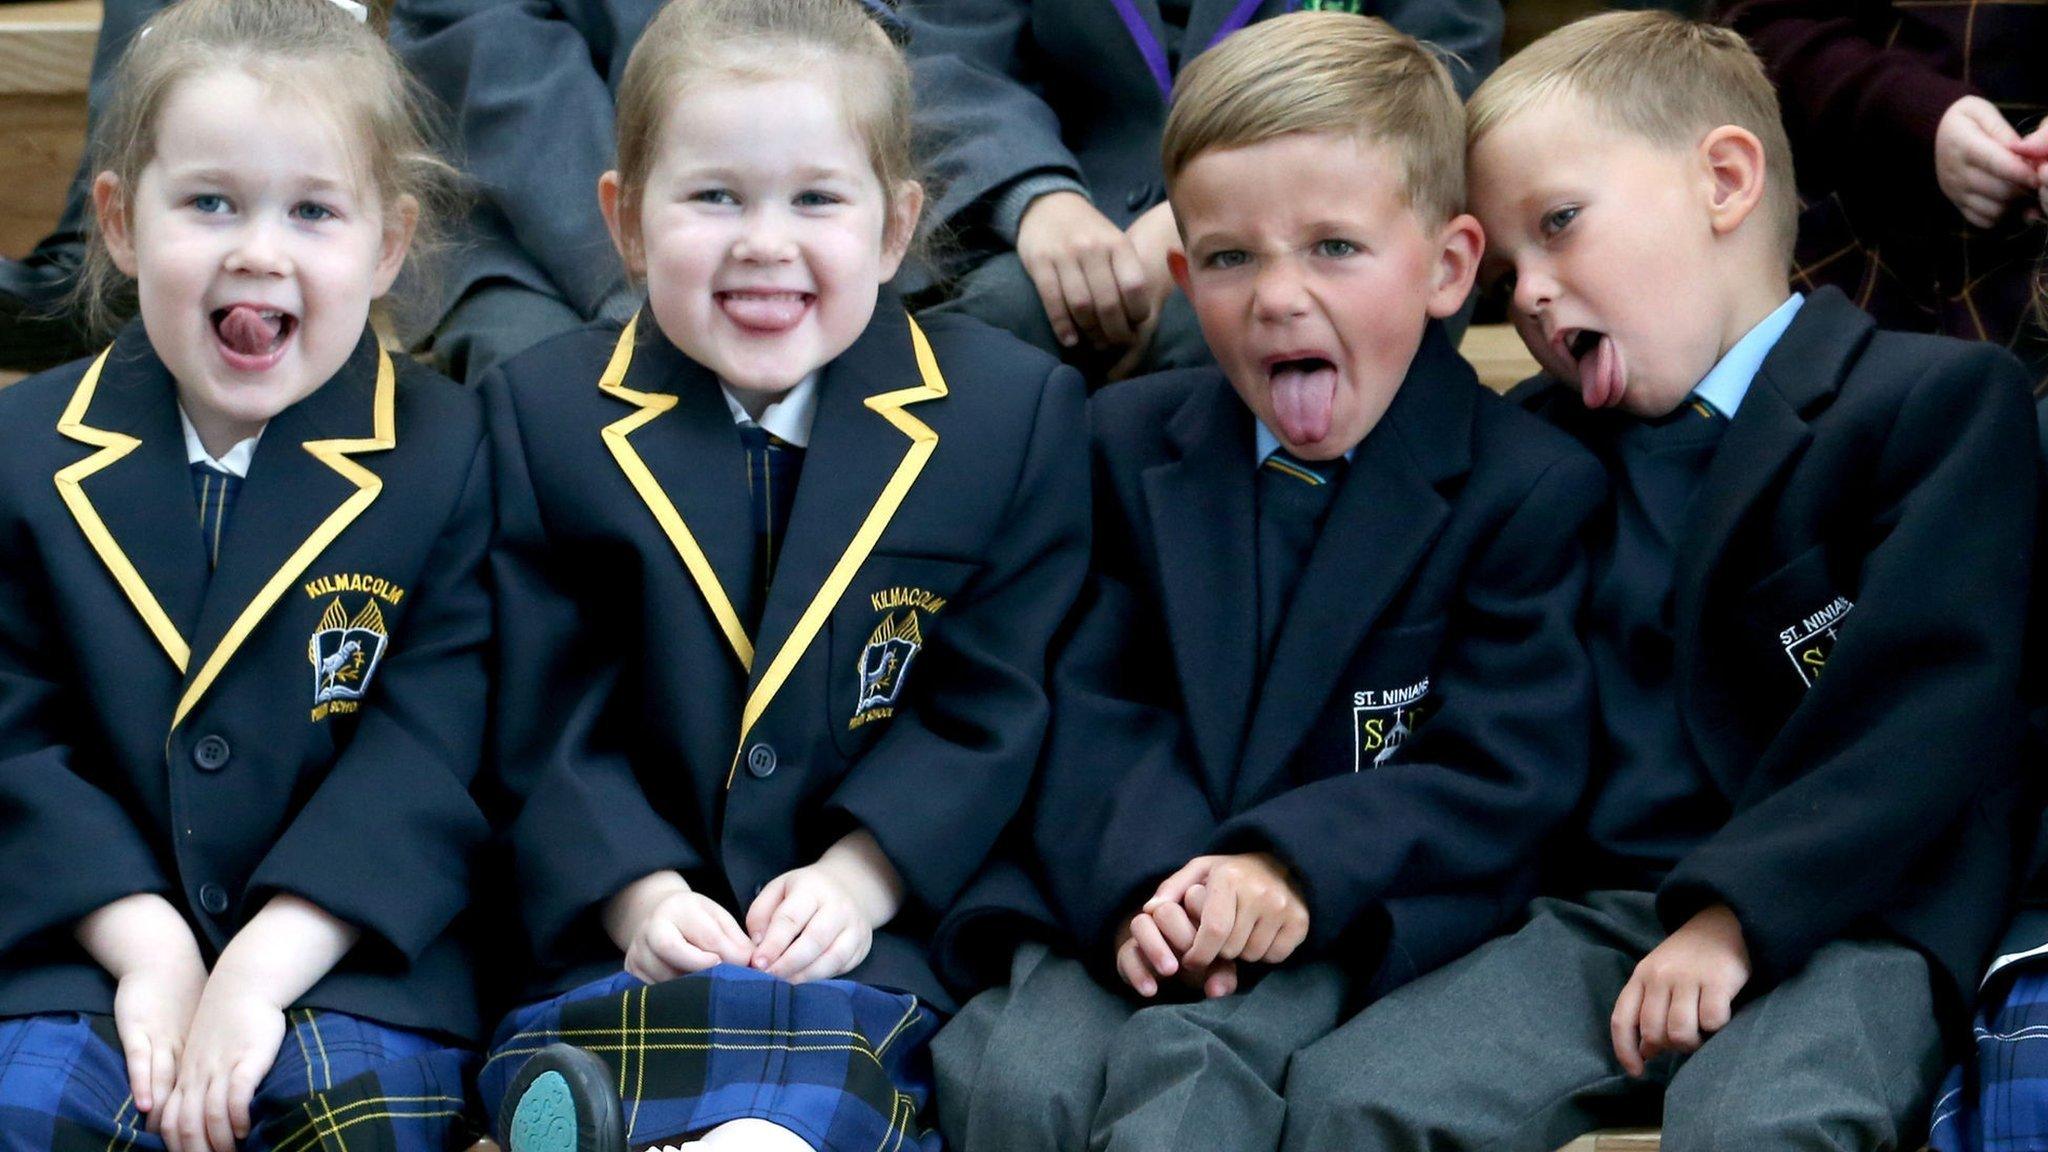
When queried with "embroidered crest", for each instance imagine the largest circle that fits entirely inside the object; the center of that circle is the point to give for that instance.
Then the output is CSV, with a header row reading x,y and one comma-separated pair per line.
x,y
344,651
1809,643
884,663
1382,721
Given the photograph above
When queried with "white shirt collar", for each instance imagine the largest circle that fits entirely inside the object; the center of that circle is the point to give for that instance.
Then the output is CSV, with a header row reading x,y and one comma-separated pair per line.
x,y
787,419
235,462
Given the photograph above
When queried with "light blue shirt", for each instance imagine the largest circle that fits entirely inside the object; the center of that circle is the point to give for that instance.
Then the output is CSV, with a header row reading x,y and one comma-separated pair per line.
x,y
1269,444
1728,382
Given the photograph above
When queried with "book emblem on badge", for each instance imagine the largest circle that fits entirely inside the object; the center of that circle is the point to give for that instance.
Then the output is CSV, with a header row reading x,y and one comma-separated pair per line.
x,y
884,663
344,651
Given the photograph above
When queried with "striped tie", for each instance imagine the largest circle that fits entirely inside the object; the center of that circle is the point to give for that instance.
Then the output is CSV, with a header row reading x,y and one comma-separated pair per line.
x,y
773,465
215,490
1293,495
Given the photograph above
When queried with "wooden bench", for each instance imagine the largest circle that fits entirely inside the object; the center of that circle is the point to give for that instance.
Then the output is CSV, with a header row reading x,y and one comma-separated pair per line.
x,y
45,60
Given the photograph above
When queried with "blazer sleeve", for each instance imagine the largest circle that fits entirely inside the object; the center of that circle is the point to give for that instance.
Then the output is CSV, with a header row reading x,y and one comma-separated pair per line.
x,y
387,839
1860,108
519,75
67,846
1919,712
983,721
981,112
1482,783
1122,804
579,825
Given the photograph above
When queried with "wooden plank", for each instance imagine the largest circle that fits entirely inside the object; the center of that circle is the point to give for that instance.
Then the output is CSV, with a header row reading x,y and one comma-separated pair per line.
x,y
1498,355
44,135
1617,1140
46,48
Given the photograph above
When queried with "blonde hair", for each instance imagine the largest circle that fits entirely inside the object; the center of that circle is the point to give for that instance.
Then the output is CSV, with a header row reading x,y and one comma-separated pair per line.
x,y
692,42
1659,76
1326,72
311,47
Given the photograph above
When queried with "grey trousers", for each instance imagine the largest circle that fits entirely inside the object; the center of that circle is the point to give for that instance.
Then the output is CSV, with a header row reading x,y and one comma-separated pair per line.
x,y
1508,1049
494,321
1056,1062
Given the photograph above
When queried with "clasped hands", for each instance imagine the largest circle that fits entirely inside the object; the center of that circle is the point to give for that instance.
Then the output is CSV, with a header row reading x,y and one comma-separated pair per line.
x,y
1984,166
1206,919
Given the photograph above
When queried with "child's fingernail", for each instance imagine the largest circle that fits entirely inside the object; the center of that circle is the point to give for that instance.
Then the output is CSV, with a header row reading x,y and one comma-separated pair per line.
x,y
1069,339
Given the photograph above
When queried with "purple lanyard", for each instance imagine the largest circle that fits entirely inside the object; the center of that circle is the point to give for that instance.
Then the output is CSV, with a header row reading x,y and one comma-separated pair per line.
x,y
1155,52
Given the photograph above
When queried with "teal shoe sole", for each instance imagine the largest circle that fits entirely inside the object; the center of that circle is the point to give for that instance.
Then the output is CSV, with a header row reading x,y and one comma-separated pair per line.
x,y
545,1120
562,1101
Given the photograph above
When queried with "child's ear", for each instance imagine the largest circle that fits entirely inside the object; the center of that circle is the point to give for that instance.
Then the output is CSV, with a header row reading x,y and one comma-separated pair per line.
x,y
905,208
110,210
625,233
1177,265
400,222
1732,161
1459,246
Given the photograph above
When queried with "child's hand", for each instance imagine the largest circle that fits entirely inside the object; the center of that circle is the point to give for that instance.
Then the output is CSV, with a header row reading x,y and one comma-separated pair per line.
x,y
685,932
1089,277
1248,908
1148,949
234,1040
1978,161
1152,235
1683,991
149,950
817,922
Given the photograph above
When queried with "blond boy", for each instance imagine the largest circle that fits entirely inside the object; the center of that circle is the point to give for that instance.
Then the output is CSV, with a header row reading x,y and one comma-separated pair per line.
x,y
1804,622
1326,699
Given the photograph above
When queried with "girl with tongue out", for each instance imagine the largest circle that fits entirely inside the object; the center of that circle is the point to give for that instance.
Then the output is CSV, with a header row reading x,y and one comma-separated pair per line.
x,y
777,571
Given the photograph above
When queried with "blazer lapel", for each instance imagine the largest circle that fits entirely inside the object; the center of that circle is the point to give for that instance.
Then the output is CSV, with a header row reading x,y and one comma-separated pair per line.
x,y
1210,21
867,449
1203,514
1380,528
304,489
1145,33
1768,433
133,497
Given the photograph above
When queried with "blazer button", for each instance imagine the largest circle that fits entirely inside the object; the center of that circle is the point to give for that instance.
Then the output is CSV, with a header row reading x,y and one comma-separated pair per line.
x,y
761,761
211,754
213,898
1139,196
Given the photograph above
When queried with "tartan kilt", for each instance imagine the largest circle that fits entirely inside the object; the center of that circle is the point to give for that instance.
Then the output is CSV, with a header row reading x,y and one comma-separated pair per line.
x,y
843,1065
340,1084
1997,1099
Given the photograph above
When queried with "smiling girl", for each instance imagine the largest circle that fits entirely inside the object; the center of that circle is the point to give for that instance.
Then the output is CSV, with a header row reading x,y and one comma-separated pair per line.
x,y
241,623
777,571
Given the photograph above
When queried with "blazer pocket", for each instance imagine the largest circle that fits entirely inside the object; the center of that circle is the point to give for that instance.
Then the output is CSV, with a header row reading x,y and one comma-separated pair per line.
x,y
1794,615
1388,691
879,632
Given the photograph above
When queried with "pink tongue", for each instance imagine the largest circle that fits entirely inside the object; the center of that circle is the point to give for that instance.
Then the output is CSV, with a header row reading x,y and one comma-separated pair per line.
x,y
1302,402
771,312
1599,385
248,332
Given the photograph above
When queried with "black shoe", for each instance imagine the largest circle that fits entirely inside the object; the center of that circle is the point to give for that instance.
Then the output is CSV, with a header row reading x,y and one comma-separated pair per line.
x,y
38,327
562,1101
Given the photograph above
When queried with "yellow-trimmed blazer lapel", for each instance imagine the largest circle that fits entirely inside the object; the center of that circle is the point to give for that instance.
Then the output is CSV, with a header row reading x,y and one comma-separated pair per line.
x,y
303,490
132,499
867,449
677,447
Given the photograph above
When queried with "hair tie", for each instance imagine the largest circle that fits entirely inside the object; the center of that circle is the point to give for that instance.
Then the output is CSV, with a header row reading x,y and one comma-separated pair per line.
x,y
359,11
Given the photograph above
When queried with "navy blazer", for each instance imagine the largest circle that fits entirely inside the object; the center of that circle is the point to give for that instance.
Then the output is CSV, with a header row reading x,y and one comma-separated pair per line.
x,y
1424,719
942,510
1871,507
304,718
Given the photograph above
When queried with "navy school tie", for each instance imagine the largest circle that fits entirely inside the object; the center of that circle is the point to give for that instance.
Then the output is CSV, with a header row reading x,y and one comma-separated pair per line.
x,y
216,490
1293,496
773,465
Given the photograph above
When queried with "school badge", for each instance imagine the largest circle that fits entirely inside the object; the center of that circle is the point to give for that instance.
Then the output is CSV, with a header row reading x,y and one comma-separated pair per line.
x,y
1382,721
884,663
1810,642
344,651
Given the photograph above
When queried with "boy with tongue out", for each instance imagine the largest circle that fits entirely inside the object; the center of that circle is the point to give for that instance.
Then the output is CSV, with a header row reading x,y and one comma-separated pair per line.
x,y
1327,698
1805,627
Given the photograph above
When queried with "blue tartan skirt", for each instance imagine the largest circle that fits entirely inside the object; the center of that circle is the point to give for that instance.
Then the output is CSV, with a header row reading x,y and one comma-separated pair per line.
x,y
340,1084
1997,1099
841,1064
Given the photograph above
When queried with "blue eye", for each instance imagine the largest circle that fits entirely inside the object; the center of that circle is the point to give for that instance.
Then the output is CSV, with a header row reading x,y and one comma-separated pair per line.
x,y
311,213
1227,258
815,199
713,196
1557,219
209,204
1336,248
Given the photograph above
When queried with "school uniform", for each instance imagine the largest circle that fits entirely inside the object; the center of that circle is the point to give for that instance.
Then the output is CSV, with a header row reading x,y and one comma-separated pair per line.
x,y
1401,722
277,691
1845,609
665,704
1017,99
